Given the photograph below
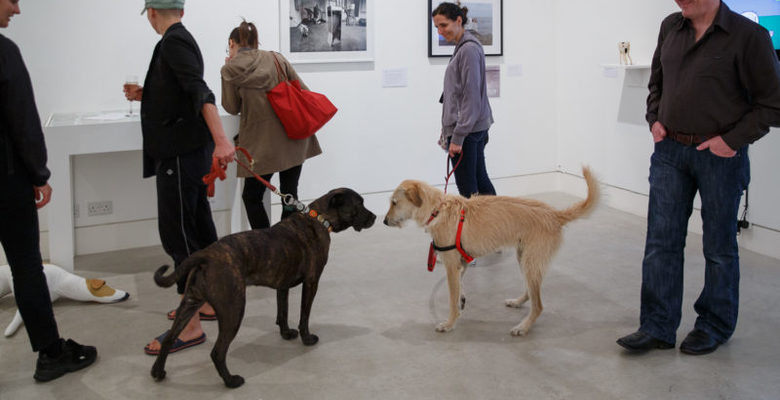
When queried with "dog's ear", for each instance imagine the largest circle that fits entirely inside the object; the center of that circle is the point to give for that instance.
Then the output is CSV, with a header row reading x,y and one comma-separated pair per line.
x,y
412,193
336,201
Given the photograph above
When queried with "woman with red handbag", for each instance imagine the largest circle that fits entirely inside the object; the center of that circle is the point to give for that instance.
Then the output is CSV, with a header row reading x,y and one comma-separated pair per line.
x,y
247,75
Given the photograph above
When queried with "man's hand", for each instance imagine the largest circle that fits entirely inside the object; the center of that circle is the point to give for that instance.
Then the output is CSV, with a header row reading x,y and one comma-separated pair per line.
x,y
718,147
658,131
133,92
42,195
224,152
455,149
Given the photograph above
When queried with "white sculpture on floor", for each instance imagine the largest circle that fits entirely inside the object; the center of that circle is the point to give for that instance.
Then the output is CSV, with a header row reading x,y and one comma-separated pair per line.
x,y
625,53
62,284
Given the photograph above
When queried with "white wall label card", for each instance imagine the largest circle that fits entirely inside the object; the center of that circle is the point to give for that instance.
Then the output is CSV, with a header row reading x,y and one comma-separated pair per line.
x,y
396,77
493,76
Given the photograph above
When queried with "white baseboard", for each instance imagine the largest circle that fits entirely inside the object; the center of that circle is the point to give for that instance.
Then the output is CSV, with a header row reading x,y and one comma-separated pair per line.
x,y
97,239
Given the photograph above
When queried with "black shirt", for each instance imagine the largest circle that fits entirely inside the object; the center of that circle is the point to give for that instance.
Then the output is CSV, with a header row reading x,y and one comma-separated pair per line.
x,y
173,98
22,147
727,83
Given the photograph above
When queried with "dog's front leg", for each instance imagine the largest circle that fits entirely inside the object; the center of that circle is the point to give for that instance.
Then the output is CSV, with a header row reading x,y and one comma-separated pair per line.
x,y
307,299
281,315
453,282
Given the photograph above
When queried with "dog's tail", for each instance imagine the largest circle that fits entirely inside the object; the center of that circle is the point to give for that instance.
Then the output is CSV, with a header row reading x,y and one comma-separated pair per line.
x,y
184,269
586,206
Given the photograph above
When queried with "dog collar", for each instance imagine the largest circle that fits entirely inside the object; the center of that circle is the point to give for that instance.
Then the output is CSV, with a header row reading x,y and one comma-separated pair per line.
x,y
321,219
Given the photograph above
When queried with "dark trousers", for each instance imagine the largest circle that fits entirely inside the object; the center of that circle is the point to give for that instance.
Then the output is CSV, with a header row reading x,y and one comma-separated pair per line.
x,y
20,238
471,175
253,196
183,211
677,172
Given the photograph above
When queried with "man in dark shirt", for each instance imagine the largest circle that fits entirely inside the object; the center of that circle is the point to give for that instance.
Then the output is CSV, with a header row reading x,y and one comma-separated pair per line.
x,y
714,89
182,132
23,189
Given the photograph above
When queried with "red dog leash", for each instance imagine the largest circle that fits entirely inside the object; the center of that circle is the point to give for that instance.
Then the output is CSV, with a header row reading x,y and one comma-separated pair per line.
x,y
457,246
449,173
218,172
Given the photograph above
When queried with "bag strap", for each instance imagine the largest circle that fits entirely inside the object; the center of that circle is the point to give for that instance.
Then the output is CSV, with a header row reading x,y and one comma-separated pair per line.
x,y
279,71
461,45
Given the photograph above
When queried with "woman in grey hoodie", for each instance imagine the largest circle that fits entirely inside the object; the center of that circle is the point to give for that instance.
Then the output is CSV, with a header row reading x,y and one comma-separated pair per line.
x,y
466,113
246,77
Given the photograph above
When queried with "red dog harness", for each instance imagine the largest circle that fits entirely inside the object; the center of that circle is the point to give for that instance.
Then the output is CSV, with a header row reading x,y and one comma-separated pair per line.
x,y
457,246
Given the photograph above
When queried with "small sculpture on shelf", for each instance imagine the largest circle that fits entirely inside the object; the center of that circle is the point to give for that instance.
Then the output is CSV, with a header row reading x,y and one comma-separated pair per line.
x,y
625,53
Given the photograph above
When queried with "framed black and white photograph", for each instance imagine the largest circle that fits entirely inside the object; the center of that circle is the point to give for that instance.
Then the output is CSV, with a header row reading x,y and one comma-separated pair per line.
x,y
485,22
321,31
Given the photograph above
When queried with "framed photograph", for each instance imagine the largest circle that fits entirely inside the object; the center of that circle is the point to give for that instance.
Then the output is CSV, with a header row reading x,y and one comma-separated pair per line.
x,y
485,21
325,31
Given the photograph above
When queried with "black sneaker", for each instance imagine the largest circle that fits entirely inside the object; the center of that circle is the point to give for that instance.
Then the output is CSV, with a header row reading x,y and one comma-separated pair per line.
x,y
73,358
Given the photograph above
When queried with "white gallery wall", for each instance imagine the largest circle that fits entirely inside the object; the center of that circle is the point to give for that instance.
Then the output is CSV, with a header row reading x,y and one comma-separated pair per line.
x,y
559,113
600,117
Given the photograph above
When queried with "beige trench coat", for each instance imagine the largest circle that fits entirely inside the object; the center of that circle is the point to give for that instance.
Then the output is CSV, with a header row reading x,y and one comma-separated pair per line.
x,y
245,80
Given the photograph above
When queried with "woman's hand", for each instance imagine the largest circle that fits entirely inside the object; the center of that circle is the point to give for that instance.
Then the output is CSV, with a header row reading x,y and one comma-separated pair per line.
x,y
455,149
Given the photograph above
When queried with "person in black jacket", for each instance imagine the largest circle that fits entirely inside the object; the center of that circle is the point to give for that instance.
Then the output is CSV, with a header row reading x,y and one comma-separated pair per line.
x,y
182,132
23,189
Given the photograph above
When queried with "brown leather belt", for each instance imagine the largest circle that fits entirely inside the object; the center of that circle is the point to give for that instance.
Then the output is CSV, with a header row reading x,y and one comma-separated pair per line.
x,y
687,139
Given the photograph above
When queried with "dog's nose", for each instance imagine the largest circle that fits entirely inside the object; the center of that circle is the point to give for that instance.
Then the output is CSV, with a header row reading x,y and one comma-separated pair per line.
x,y
385,222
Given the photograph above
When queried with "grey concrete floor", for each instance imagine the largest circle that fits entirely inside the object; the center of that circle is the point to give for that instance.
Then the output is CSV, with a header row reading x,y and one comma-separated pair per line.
x,y
375,315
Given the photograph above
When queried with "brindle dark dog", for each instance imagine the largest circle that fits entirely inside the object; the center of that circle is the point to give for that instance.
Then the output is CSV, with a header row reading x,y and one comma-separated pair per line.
x,y
292,252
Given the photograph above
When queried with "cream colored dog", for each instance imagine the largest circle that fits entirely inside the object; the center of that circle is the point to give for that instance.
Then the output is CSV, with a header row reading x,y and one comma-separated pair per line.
x,y
491,223
625,53
62,283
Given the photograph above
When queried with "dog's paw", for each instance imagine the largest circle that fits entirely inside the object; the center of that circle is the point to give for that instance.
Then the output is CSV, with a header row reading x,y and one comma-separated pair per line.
x,y
520,330
514,303
289,334
444,327
234,381
158,374
310,340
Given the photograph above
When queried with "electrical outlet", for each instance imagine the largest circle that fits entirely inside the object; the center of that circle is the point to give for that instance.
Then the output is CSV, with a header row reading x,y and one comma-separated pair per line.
x,y
75,210
100,208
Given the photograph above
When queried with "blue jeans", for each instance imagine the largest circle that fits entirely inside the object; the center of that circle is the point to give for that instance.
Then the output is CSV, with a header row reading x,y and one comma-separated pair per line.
x,y
677,172
471,175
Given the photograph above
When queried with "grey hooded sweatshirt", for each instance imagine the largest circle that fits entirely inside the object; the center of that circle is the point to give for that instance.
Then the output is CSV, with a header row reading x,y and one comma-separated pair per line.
x,y
465,103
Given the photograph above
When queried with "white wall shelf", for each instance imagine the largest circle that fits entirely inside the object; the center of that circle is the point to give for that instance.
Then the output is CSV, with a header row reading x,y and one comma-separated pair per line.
x,y
623,66
74,134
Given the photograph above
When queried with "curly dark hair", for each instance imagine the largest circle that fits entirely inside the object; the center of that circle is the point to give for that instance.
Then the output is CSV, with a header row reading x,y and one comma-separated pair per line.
x,y
452,11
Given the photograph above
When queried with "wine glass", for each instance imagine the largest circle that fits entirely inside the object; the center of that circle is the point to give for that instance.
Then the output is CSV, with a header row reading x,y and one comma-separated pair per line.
x,y
130,82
